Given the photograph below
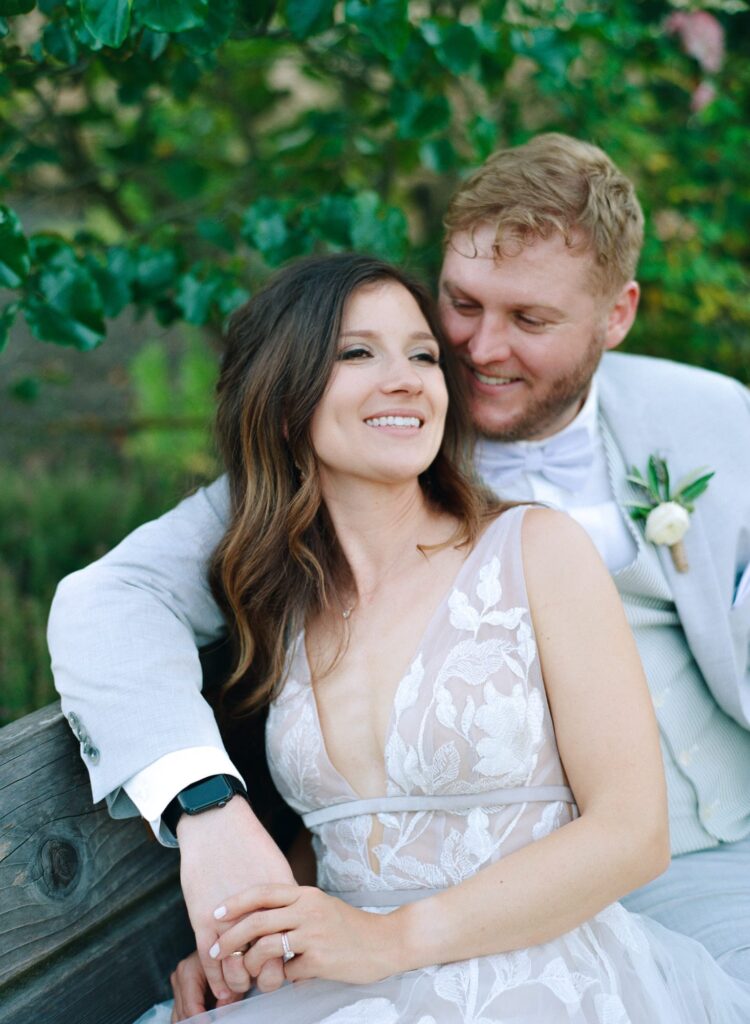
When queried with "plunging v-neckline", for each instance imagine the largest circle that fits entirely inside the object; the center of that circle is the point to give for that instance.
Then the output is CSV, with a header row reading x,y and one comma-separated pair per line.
x,y
301,652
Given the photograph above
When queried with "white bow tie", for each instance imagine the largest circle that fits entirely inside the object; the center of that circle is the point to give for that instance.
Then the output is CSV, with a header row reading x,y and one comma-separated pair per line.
x,y
565,460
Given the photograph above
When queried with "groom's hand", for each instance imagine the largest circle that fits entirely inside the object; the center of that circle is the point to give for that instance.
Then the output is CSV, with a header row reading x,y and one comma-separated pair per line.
x,y
223,852
191,992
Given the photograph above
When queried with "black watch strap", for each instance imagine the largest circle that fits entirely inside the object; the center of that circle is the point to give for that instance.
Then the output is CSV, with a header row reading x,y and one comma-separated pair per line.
x,y
213,791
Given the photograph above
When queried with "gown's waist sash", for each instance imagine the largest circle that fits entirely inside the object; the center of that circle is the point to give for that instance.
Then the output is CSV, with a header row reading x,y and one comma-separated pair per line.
x,y
427,802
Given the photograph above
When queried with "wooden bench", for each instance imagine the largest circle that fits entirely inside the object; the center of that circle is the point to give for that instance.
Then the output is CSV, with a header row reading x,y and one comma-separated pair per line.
x,y
91,915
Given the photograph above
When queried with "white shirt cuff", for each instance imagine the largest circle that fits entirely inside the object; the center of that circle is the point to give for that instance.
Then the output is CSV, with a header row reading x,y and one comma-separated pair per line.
x,y
152,788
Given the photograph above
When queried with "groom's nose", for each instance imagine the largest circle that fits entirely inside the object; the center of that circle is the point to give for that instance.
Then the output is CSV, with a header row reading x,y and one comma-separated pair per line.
x,y
490,341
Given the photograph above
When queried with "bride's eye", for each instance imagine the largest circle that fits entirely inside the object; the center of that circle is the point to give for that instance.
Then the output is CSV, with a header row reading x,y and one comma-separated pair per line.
x,y
355,352
426,357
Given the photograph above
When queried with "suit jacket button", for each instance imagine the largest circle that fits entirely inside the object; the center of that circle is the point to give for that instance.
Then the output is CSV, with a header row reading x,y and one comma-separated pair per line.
x,y
91,753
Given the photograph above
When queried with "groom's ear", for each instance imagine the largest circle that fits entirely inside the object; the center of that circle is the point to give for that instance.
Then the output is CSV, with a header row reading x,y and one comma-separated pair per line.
x,y
621,314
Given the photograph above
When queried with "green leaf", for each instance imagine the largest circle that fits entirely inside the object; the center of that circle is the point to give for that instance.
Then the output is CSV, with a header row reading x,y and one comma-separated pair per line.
x,y
653,477
416,115
14,250
264,228
216,28
637,480
7,317
59,42
26,389
695,489
377,229
384,22
173,15
154,271
4,28
306,17
483,135
64,305
640,511
113,284
690,478
10,7
216,232
108,21
662,473
455,46
195,293
153,44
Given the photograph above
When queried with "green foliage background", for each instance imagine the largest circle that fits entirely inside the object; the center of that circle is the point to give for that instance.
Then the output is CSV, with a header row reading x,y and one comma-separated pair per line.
x,y
208,141
212,141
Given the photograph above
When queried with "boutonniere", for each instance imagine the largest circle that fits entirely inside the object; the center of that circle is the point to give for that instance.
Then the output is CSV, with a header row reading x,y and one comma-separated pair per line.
x,y
667,511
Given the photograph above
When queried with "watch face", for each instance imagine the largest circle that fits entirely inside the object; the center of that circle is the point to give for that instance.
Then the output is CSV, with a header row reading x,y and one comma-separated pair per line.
x,y
208,793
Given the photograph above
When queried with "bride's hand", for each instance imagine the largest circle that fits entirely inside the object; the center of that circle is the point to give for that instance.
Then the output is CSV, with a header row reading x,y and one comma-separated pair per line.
x,y
329,938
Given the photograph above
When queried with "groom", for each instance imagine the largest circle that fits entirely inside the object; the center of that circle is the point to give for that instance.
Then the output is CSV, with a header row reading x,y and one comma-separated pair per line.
x,y
537,284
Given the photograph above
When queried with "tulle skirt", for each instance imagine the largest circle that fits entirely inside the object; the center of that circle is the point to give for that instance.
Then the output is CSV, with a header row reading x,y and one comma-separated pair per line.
x,y
618,968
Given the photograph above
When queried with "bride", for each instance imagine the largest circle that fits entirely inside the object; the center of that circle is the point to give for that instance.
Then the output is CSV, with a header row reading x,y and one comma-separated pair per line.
x,y
456,705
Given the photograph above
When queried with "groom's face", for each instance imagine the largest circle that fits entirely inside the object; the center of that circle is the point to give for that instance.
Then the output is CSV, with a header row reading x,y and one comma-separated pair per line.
x,y
530,330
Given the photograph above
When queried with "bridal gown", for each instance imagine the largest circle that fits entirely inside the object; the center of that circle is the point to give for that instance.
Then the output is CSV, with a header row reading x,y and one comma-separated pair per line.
x,y
473,774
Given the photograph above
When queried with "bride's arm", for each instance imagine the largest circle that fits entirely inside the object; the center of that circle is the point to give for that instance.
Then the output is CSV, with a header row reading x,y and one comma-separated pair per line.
x,y
608,742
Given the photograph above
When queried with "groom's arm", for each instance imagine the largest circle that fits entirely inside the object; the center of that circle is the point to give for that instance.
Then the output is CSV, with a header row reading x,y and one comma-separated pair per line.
x,y
124,636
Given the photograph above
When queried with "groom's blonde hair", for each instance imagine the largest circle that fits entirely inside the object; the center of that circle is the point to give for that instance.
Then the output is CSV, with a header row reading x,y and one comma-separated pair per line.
x,y
555,183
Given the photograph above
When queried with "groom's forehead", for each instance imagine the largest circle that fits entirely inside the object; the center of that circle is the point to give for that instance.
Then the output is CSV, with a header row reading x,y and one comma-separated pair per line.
x,y
551,262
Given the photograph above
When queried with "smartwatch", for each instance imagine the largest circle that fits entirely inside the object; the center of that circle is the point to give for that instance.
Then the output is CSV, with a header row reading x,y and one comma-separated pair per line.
x,y
214,791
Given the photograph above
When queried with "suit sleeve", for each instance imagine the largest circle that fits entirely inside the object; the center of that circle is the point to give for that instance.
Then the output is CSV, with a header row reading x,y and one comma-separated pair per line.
x,y
124,636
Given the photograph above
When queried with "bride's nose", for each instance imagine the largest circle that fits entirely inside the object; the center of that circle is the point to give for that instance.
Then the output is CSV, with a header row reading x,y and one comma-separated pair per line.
x,y
401,375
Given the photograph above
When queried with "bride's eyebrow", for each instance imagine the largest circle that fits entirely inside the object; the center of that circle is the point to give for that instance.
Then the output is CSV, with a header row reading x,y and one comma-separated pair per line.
x,y
414,336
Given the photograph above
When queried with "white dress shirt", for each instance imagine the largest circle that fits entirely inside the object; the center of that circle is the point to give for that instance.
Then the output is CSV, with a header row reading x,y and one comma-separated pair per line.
x,y
592,505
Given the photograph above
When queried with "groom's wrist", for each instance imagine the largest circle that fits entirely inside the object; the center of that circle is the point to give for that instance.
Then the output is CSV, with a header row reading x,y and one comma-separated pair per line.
x,y
211,793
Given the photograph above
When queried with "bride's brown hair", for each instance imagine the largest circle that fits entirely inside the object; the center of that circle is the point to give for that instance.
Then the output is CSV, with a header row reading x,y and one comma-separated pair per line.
x,y
280,560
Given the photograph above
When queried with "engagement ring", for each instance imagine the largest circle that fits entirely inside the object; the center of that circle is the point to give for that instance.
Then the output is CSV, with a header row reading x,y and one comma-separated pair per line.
x,y
287,954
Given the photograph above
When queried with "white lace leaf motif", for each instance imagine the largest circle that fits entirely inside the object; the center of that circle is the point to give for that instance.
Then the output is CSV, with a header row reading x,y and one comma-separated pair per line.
x,y
365,1011
408,689
489,588
514,728
567,985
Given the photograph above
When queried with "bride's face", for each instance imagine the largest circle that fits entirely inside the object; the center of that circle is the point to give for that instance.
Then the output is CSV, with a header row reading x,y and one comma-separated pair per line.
x,y
382,415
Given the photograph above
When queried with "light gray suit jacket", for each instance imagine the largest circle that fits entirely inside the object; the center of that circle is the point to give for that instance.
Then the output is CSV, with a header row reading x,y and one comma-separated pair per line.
x,y
124,631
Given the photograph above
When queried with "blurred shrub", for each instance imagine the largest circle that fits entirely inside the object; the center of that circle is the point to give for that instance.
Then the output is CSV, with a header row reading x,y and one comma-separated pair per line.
x,y
51,523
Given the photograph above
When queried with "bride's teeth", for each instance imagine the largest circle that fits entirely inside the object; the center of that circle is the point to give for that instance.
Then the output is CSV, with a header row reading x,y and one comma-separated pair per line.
x,y
393,421
492,380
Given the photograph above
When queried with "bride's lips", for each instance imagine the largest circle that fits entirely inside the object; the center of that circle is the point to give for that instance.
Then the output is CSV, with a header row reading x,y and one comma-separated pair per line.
x,y
401,422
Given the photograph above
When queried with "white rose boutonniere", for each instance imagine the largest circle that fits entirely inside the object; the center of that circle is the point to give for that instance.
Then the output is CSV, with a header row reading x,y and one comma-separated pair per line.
x,y
667,510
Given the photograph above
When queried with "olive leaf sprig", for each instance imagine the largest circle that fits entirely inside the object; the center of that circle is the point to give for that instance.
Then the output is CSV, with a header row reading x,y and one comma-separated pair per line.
x,y
666,509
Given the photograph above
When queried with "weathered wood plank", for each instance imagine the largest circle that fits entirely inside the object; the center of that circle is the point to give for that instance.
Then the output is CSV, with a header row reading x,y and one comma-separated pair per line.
x,y
65,867
112,976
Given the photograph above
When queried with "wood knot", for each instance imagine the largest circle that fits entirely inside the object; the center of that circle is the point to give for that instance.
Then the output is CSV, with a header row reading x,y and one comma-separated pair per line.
x,y
61,866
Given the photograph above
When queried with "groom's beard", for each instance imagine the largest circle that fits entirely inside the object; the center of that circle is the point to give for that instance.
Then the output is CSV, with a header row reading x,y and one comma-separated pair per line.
x,y
553,401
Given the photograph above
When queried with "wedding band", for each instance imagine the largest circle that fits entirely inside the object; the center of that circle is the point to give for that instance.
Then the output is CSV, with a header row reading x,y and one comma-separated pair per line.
x,y
287,954
238,952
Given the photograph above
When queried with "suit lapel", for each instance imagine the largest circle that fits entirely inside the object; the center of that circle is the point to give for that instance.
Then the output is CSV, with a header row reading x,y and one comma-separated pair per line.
x,y
639,431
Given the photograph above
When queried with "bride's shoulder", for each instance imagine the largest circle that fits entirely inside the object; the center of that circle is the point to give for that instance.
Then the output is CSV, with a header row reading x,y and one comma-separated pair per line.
x,y
553,544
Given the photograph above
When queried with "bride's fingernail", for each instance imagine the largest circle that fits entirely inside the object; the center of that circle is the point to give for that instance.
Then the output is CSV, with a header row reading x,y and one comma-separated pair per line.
x,y
214,950
220,912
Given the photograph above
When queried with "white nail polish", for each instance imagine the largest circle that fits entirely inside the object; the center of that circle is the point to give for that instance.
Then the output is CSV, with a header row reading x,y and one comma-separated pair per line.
x,y
214,950
220,912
